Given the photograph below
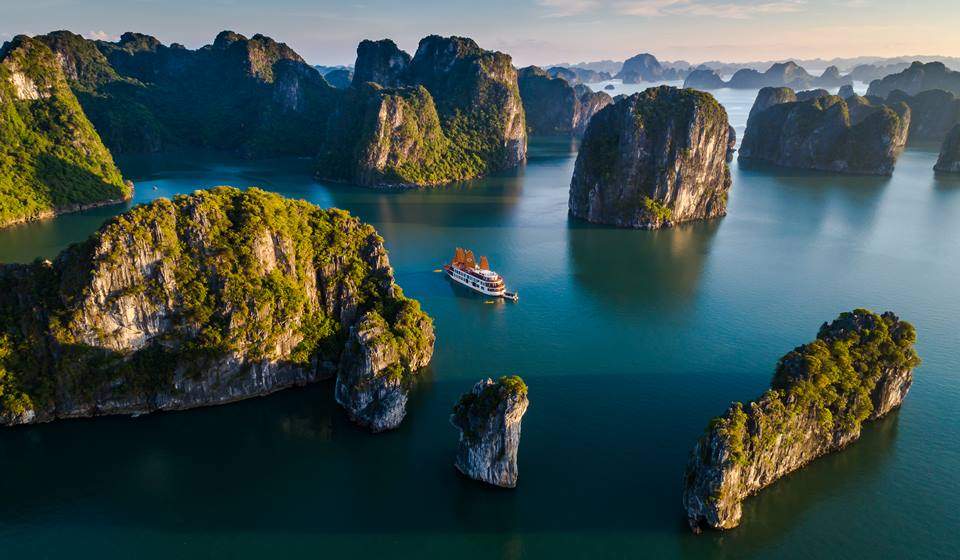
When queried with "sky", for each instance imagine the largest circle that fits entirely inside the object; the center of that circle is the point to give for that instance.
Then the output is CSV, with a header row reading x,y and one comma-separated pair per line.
x,y
532,31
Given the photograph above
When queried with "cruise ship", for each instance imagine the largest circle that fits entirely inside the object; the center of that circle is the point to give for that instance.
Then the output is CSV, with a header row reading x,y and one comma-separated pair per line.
x,y
478,277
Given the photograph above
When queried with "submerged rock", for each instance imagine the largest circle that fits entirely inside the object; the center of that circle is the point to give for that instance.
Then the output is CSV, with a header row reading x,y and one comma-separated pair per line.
x,y
209,298
825,132
652,160
488,418
859,368
949,160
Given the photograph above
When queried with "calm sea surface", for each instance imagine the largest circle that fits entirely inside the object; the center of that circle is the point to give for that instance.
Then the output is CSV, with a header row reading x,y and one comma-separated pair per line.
x,y
630,342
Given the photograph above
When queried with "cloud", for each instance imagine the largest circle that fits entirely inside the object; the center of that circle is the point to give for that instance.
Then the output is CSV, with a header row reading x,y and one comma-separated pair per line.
x,y
741,10
101,36
565,8
724,9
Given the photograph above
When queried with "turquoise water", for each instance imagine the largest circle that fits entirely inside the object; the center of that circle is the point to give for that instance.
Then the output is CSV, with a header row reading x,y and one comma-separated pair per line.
x,y
630,342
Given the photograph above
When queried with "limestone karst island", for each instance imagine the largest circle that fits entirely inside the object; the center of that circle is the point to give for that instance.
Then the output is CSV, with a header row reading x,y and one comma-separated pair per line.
x,y
538,279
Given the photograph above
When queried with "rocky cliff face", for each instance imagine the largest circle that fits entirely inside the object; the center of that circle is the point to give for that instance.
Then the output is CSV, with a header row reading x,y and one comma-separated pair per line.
x,y
254,96
780,75
380,62
859,368
554,107
488,418
643,67
210,298
477,88
387,137
704,79
731,143
917,78
472,92
825,133
51,158
340,78
578,75
652,160
949,160
589,103
932,113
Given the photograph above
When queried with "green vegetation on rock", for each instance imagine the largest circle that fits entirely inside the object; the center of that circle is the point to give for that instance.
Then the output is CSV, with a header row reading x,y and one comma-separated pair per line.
x,y
194,292
860,367
253,96
453,113
51,158
481,404
652,160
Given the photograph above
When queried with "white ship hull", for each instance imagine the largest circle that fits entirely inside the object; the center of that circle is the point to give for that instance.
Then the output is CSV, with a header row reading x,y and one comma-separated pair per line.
x,y
493,288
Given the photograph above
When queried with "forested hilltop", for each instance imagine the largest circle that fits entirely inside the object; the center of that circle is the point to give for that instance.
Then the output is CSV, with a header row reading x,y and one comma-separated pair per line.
x,y
205,299
254,96
450,112
51,158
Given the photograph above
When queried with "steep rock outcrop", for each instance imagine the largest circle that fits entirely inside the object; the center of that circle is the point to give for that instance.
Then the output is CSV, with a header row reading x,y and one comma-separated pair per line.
x,y
477,96
846,91
768,97
488,418
553,106
253,96
381,62
731,144
373,381
784,74
387,136
206,299
859,368
643,67
831,78
932,113
589,103
472,92
949,160
918,77
654,159
826,133
51,159
704,79
578,75
340,78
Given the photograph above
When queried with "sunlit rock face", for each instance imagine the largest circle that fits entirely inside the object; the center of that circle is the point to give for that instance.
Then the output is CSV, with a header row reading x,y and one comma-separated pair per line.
x,y
652,160
859,368
815,130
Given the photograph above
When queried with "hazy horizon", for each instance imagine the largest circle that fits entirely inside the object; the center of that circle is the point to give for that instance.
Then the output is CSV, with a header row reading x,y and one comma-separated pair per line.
x,y
532,31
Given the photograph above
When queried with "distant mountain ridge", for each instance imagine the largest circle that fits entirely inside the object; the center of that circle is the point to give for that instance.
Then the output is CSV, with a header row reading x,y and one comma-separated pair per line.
x,y
845,65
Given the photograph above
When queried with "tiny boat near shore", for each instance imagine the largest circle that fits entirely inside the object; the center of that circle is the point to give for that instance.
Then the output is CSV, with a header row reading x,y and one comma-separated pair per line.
x,y
465,270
